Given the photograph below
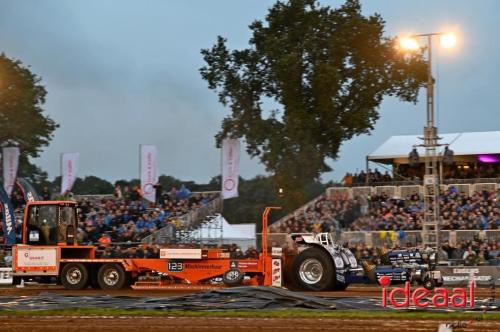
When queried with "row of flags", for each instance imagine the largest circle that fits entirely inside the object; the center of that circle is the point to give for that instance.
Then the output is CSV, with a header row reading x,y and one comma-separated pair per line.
x,y
148,169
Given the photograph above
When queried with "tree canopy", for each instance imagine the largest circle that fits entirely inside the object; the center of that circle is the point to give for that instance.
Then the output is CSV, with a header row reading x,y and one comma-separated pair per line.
x,y
312,78
23,123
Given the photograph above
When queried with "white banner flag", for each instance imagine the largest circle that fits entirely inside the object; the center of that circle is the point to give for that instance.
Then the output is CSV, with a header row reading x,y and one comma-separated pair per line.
x,y
148,171
10,156
69,170
230,167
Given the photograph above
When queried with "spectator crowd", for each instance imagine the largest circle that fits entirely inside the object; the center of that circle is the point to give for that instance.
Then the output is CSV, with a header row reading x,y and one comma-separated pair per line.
x,y
362,177
126,217
459,211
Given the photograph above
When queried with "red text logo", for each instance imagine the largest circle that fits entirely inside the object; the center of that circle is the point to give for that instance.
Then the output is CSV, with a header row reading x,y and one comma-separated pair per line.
x,y
420,296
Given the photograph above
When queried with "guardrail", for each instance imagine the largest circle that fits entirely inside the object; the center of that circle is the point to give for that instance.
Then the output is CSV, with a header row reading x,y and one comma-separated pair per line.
x,y
402,191
189,221
94,197
420,182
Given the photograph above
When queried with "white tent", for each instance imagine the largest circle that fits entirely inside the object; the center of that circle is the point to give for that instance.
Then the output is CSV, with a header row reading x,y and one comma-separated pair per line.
x,y
397,148
242,234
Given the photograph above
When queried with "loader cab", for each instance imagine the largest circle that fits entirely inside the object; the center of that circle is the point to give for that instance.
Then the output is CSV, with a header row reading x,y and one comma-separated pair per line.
x,y
50,223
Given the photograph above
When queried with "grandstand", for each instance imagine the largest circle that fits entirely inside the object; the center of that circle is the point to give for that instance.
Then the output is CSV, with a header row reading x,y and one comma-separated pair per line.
x,y
391,216
476,156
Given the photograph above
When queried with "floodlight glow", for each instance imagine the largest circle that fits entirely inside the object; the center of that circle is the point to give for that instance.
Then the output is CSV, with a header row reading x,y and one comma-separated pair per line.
x,y
448,40
409,43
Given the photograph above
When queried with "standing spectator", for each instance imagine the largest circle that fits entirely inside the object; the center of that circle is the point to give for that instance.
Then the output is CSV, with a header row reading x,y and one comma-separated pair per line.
x,y
118,192
136,194
347,180
158,193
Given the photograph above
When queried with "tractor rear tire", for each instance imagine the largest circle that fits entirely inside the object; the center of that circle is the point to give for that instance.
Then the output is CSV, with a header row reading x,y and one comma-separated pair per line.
x,y
112,276
74,276
313,270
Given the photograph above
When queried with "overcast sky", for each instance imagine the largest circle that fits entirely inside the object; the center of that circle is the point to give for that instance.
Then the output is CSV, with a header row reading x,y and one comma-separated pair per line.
x,y
120,73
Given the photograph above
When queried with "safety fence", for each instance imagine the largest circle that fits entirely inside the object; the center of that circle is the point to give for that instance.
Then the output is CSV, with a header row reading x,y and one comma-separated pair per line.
x,y
420,182
403,191
93,197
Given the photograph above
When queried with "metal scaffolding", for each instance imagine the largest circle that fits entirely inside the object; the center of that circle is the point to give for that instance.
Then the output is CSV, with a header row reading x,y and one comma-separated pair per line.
x,y
431,225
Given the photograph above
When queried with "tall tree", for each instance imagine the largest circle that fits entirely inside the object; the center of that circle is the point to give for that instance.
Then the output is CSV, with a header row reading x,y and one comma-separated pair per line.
x,y
92,185
23,123
312,78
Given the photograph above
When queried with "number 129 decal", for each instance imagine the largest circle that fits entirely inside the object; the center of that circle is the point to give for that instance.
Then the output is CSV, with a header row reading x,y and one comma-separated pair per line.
x,y
175,266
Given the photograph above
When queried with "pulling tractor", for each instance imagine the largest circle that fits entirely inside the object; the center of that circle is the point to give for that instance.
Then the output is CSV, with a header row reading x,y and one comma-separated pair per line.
x,y
49,249
414,265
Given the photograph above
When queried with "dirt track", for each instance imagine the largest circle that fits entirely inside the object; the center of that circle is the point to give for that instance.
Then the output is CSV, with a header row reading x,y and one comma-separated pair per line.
x,y
178,324
209,324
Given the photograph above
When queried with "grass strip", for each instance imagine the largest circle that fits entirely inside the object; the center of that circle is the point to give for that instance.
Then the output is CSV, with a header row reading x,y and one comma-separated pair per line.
x,y
291,313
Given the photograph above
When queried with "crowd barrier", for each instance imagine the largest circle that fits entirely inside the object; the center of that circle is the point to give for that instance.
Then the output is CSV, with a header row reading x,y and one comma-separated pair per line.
x,y
93,198
403,191
420,182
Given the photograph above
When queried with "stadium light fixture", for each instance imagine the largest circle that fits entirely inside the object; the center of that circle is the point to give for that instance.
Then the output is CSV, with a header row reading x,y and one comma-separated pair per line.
x,y
431,225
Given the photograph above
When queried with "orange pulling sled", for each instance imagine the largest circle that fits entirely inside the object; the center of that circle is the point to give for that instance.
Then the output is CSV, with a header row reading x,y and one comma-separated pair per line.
x,y
49,249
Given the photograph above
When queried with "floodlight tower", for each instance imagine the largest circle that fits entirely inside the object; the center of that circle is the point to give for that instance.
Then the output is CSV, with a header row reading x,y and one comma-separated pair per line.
x,y
431,225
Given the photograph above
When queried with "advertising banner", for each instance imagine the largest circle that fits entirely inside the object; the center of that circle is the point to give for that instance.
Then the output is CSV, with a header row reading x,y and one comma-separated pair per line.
x,y
148,170
9,226
69,170
180,253
460,275
276,272
29,192
10,156
230,167
41,260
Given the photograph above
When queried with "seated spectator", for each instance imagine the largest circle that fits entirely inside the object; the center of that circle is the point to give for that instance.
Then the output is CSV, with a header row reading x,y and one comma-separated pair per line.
x,y
251,252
